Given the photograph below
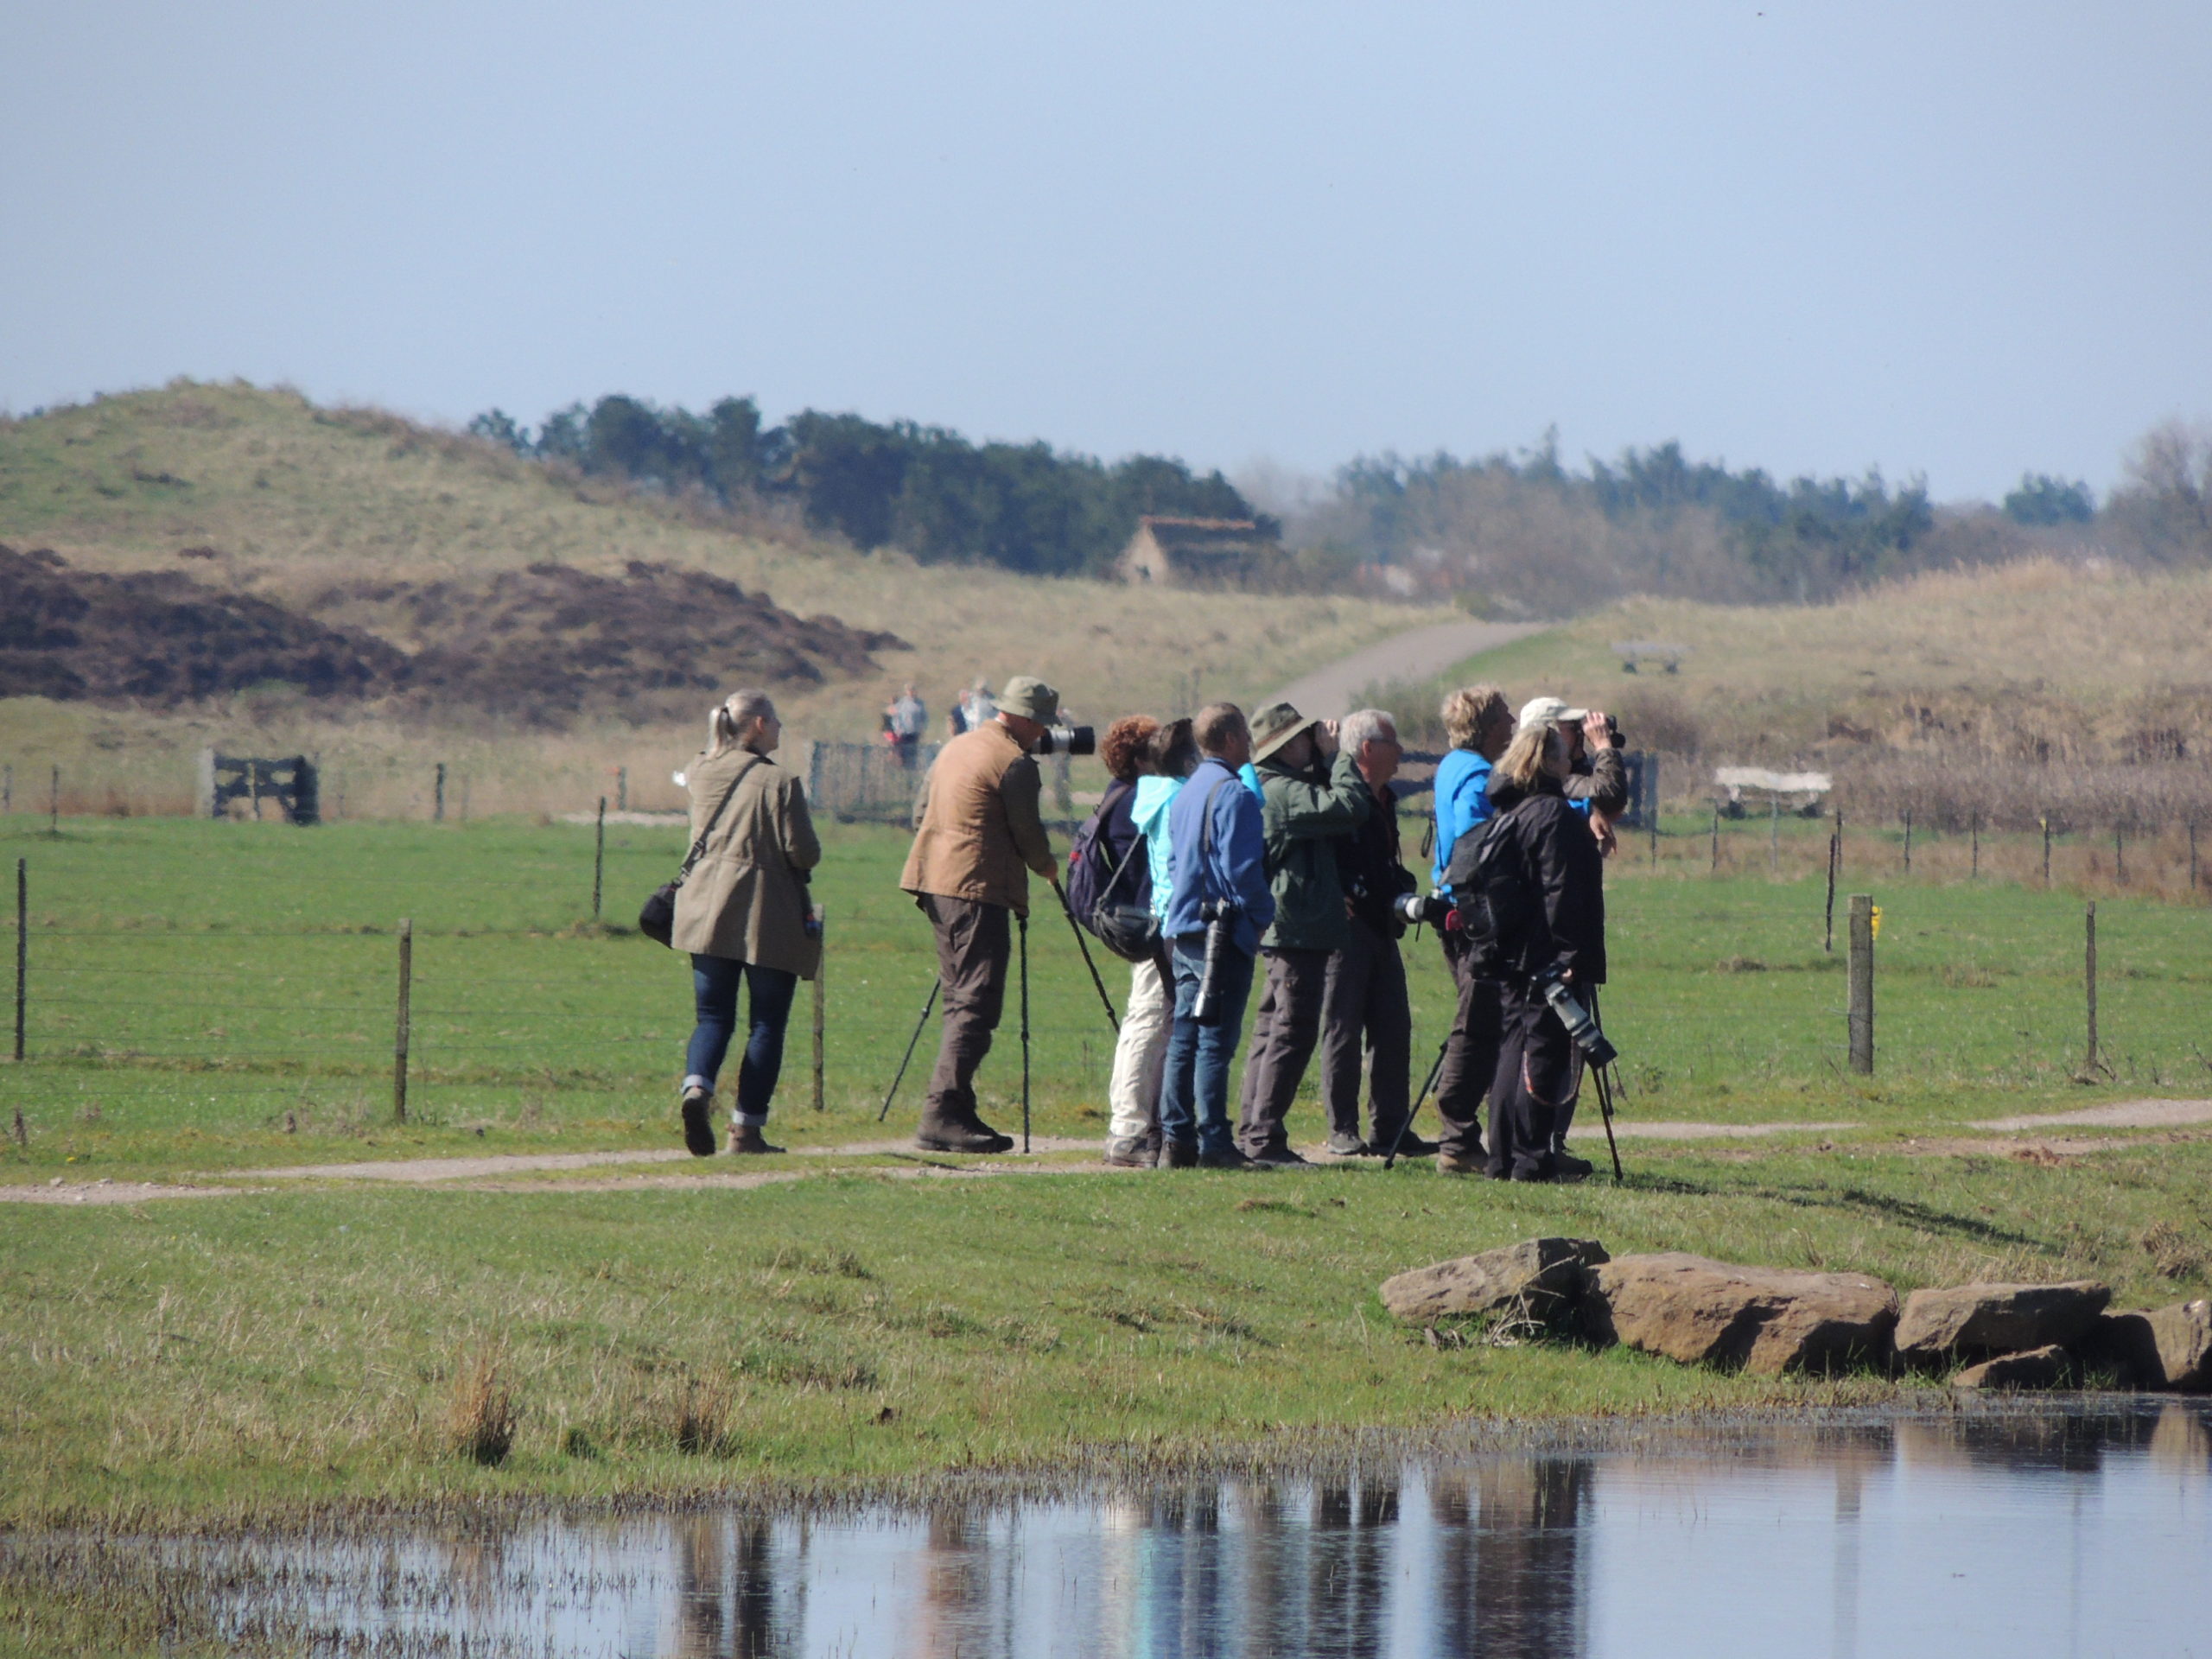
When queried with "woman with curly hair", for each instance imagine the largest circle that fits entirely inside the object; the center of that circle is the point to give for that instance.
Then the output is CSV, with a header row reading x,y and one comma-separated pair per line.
x,y
1132,1093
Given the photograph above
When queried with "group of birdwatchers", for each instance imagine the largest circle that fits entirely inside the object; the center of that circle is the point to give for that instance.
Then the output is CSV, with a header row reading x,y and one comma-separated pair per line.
x,y
1224,851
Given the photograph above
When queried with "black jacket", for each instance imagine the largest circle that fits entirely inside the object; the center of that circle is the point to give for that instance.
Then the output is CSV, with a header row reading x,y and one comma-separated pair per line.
x,y
1372,867
1567,873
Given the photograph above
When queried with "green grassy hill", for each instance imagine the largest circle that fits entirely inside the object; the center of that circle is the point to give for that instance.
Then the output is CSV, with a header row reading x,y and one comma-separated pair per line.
x,y
292,500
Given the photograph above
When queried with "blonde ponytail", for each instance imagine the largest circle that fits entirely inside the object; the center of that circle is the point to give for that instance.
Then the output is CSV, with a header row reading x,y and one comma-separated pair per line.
x,y
726,725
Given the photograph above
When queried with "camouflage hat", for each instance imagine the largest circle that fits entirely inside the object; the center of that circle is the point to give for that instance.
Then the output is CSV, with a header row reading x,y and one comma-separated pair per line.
x,y
1030,698
1275,726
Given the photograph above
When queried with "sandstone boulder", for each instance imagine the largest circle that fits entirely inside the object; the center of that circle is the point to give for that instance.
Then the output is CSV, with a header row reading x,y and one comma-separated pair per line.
x,y
1973,1320
2048,1367
1541,1276
1764,1320
2165,1348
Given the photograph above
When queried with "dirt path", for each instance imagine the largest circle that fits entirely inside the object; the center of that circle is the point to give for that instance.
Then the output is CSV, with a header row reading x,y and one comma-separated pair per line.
x,y
1328,693
2122,1115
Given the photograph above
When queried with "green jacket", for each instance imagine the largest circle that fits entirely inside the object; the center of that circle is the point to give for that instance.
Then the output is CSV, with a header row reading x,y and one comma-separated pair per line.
x,y
1300,821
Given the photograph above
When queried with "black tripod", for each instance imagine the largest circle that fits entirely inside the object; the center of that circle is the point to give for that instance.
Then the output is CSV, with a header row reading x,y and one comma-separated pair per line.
x,y
1399,1139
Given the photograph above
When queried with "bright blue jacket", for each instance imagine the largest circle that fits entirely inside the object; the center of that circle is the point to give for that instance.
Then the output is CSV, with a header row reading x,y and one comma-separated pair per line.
x,y
1149,813
1462,802
1238,867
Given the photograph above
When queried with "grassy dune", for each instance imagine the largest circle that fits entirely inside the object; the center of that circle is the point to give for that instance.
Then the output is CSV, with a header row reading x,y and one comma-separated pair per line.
x,y
2038,661
294,498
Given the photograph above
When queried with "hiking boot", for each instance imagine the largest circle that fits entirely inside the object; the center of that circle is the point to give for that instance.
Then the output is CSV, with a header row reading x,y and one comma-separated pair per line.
x,y
1567,1168
1129,1152
936,1134
1451,1163
1179,1155
1153,1140
1348,1146
1234,1158
747,1138
698,1125
1277,1156
1410,1145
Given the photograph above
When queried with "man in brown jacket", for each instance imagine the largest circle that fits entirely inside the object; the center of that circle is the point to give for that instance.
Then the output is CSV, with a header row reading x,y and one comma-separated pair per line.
x,y
979,836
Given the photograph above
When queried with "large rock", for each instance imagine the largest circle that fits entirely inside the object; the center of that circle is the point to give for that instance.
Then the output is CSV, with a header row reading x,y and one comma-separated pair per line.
x,y
2165,1348
1541,1276
1973,1320
1764,1320
2048,1367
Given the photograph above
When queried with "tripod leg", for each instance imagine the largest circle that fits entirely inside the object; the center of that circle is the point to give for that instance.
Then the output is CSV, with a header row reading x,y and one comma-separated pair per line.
x,y
1398,1140
1605,1111
928,1002
1025,1032
1076,928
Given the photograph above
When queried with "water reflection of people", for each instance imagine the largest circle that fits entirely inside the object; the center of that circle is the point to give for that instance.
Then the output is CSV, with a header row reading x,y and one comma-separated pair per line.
x,y
727,1602
1353,1532
1509,1547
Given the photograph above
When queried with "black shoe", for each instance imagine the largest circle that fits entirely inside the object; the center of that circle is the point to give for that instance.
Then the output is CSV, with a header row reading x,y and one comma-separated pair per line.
x,y
1277,1156
1567,1168
944,1134
698,1128
1233,1158
1348,1146
1410,1145
1179,1155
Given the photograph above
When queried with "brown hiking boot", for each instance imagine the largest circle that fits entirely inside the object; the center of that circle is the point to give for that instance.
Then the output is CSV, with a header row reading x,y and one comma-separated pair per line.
x,y
698,1125
747,1138
937,1133
1451,1163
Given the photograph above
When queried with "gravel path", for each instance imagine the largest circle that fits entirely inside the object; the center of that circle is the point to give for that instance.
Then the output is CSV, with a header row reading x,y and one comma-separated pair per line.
x,y
1327,693
2122,1115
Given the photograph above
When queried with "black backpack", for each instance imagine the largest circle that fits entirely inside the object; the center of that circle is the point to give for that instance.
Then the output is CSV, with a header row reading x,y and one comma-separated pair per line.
x,y
1496,902
1114,901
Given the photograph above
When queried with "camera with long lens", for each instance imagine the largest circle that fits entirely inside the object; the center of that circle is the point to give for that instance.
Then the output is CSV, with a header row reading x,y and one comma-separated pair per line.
x,y
1068,740
1415,908
1220,916
1580,1024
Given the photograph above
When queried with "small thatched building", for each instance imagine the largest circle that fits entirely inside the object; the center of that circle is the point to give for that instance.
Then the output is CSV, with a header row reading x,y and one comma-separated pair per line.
x,y
1198,552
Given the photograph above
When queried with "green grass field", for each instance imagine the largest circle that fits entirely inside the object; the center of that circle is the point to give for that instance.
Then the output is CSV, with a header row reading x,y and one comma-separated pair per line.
x,y
205,994
211,997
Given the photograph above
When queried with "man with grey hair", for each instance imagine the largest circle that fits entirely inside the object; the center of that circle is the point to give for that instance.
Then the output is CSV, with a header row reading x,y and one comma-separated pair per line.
x,y
1365,999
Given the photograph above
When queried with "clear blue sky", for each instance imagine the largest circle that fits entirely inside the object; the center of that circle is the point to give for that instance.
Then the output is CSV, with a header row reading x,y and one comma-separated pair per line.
x,y
1961,239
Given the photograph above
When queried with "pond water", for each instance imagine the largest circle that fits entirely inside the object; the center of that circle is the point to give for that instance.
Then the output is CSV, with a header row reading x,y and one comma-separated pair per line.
x,y
2082,1528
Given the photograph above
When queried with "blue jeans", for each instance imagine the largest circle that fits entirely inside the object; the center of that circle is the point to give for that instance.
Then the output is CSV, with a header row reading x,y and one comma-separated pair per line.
x,y
713,986
1197,1076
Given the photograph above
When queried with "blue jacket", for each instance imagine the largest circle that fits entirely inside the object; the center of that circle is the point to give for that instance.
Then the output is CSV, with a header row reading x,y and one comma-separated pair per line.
x,y
1238,867
1149,813
1462,802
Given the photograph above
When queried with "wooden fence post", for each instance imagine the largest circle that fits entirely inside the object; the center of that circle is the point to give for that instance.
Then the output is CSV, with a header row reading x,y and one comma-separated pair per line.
x,y
406,1000
621,789
1774,835
1835,863
1975,872
1715,868
1861,1019
22,964
2120,854
54,806
2192,854
1651,831
598,857
2046,851
438,801
1908,840
2090,981
8,790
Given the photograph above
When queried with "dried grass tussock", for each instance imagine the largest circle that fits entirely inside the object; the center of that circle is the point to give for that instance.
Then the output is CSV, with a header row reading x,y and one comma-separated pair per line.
x,y
484,1413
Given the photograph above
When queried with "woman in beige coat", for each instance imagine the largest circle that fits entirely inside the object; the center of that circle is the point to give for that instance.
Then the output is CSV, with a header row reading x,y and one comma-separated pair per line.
x,y
744,913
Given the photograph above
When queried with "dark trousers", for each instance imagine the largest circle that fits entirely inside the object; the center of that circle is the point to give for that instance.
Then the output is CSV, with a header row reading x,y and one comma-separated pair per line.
x,y
1538,1072
974,941
1470,1054
1365,997
1284,1033
714,990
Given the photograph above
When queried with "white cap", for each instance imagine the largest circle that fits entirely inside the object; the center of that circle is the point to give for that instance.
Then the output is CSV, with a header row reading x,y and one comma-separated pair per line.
x,y
1550,711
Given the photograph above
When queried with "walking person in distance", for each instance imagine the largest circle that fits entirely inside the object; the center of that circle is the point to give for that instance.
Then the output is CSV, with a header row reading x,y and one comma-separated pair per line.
x,y
978,837
744,915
